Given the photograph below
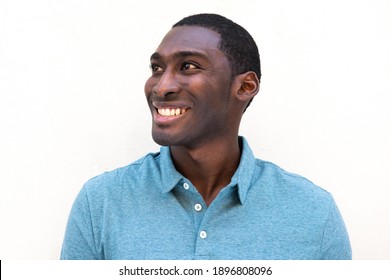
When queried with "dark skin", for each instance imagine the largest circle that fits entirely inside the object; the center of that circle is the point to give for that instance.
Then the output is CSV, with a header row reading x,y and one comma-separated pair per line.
x,y
197,106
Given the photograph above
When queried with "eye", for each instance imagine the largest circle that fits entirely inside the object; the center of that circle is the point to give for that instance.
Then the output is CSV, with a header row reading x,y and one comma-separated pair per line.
x,y
188,66
155,67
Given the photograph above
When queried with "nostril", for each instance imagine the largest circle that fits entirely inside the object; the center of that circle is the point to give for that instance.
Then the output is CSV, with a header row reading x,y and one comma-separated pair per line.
x,y
162,93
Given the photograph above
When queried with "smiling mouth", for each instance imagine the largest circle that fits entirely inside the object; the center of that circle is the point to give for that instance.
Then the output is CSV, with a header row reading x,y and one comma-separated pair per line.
x,y
171,112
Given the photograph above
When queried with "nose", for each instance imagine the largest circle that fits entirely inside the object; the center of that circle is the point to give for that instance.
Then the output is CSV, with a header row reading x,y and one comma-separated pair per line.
x,y
167,85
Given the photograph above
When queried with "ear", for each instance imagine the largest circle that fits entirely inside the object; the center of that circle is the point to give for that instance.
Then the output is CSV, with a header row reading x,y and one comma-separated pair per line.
x,y
248,86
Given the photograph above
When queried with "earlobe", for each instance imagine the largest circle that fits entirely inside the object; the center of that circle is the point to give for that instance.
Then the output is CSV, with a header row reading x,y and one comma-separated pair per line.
x,y
249,86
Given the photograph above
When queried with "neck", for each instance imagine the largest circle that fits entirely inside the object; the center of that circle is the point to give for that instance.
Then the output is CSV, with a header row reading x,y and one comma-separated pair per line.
x,y
209,167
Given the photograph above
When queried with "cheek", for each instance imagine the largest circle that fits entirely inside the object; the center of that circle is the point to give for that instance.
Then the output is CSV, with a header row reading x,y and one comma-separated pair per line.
x,y
218,96
148,88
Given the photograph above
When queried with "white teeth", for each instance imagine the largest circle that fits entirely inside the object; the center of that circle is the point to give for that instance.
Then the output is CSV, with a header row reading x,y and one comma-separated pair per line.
x,y
171,112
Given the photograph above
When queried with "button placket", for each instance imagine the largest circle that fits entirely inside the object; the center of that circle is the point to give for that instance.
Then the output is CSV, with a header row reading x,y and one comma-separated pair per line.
x,y
198,207
203,234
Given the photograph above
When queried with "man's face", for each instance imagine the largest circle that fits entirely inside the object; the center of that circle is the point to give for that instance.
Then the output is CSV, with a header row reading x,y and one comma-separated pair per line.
x,y
189,90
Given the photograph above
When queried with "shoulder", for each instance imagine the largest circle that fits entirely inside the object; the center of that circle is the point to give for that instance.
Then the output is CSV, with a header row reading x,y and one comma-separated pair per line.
x,y
289,185
122,178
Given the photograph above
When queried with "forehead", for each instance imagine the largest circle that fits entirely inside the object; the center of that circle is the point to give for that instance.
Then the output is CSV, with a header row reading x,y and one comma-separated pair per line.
x,y
189,38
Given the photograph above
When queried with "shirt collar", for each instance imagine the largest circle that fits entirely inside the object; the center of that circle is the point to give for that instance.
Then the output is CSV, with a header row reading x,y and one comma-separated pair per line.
x,y
170,177
244,173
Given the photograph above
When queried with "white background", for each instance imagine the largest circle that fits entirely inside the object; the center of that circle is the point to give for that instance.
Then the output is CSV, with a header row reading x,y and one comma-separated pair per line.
x,y
72,104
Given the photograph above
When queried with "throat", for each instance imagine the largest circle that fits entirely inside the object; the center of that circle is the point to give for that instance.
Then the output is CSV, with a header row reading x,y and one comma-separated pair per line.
x,y
208,170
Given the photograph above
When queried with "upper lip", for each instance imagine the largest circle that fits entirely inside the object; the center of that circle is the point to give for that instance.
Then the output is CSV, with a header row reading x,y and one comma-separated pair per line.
x,y
170,105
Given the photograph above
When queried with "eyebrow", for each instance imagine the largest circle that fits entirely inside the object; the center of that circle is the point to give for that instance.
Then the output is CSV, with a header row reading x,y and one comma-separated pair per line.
x,y
180,54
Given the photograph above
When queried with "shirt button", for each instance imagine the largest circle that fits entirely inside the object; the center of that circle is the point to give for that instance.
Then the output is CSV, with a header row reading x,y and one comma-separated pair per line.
x,y
198,207
186,186
203,234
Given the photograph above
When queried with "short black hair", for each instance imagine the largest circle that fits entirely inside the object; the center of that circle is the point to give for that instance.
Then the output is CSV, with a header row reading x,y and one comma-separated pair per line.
x,y
236,42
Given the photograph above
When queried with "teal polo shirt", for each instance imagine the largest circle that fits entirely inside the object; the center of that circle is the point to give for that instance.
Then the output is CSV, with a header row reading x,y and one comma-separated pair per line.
x,y
148,210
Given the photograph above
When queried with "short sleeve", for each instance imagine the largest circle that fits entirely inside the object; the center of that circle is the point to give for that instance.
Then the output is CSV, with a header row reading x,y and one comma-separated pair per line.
x,y
79,242
335,242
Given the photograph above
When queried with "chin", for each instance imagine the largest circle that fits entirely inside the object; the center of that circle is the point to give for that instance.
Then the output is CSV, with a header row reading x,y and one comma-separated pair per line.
x,y
163,140
171,139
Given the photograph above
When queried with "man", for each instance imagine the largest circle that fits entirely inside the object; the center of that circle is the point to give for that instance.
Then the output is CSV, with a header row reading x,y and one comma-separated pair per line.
x,y
204,195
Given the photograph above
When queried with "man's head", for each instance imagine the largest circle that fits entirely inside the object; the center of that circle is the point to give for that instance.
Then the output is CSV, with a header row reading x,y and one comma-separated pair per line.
x,y
201,85
236,43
